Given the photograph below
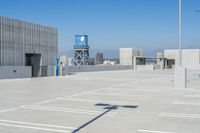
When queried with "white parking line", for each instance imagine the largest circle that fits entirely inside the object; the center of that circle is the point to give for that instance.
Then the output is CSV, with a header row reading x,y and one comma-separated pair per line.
x,y
106,94
74,95
35,124
180,115
8,110
135,82
188,89
82,93
112,79
98,101
50,108
140,90
186,103
36,128
141,86
192,96
78,94
150,131
46,101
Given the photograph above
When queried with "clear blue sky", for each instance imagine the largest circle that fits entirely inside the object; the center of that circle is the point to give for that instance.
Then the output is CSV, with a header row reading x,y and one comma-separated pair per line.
x,y
111,24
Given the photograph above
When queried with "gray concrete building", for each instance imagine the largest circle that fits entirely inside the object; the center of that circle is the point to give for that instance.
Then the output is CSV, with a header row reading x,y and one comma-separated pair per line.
x,y
98,58
191,57
27,44
127,55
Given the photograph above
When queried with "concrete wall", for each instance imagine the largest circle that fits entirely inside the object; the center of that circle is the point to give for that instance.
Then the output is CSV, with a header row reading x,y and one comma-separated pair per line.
x,y
193,74
46,71
145,67
7,72
71,69
127,54
19,37
50,71
191,57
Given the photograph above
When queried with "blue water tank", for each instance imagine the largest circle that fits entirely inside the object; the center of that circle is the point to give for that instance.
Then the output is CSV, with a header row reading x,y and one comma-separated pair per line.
x,y
81,41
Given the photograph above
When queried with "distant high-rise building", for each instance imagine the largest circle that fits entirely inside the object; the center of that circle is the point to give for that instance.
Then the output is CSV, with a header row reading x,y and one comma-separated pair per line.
x,y
64,60
98,58
127,54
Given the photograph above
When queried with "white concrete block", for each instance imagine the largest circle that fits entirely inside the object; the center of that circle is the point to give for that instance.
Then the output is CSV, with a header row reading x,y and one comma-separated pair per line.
x,y
180,77
127,54
190,57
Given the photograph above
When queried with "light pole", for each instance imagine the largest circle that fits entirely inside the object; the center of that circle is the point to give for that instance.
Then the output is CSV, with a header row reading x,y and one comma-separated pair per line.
x,y
180,71
180,33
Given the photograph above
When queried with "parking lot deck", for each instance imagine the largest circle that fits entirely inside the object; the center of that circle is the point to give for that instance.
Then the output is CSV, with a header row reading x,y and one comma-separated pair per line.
x,y
100,102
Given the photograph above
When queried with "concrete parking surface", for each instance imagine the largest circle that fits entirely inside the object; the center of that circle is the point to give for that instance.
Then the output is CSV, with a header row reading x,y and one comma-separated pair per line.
x,y
100,102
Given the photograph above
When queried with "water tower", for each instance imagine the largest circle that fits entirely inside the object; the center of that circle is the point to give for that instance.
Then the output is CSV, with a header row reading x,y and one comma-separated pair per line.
x,y
81,49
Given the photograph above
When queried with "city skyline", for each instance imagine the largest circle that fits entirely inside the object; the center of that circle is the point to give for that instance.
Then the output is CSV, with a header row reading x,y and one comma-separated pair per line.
x,y
110,24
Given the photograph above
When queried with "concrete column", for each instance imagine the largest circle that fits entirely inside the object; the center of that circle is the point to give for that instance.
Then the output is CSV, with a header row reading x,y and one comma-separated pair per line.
x,y
180,77
134,63
54,70
60,70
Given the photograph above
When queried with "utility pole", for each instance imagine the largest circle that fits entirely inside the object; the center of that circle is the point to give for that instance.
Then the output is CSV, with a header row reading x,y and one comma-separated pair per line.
x,y
180,76
180,33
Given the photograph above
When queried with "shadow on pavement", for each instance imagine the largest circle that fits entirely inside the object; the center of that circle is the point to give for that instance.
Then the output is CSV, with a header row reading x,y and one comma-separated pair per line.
x,y
108,108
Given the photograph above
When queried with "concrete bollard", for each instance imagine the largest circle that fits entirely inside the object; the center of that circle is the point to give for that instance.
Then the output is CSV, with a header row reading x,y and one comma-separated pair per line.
x,y
180,77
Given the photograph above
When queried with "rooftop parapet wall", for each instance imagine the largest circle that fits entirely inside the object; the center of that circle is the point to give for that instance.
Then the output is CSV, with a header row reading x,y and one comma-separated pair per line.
x,y
7,72
71,69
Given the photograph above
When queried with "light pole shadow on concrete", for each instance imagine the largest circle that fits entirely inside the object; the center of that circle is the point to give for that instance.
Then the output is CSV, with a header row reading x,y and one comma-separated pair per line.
x,y
108,108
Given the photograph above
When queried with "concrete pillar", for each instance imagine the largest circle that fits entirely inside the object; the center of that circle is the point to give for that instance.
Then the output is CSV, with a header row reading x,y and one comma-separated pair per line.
x,y
159,56
54,70
60,70
134,63
180,77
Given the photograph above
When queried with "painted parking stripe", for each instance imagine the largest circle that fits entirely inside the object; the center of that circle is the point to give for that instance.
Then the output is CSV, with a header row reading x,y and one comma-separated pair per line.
x,y
141,86
50,108
82,93
127,95
135,82
46,101
150,131
187,103
61,108
36,128
180,115
192,96
35,124
140,90
8,110
97,101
